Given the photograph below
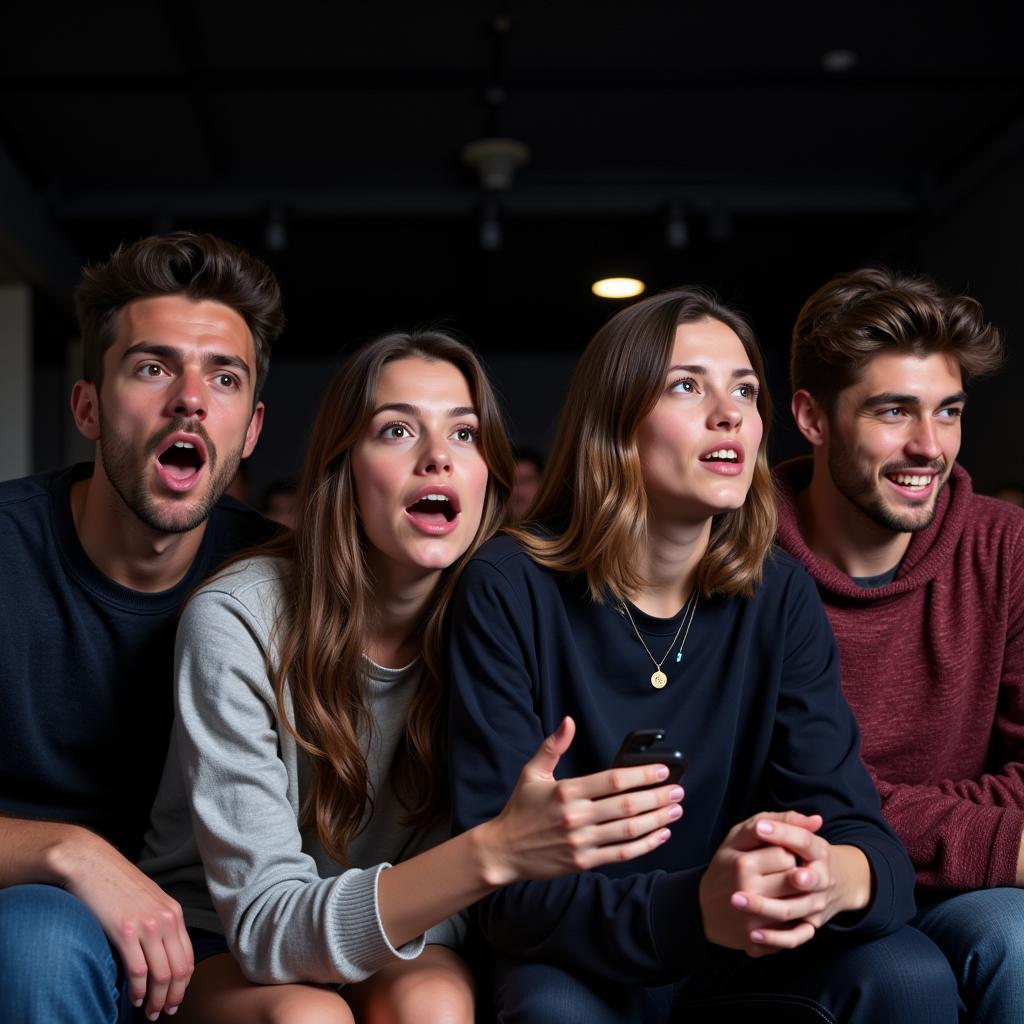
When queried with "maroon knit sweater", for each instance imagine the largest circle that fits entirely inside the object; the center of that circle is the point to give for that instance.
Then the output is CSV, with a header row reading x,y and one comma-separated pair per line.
x,y
933,667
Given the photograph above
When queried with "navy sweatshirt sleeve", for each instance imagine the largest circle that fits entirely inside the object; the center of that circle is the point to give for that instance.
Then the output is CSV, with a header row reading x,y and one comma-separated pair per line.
x,y
524,652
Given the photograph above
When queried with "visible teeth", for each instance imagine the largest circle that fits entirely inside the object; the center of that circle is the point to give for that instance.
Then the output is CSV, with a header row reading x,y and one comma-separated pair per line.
x,y
723,453
911,480
183,444
433,497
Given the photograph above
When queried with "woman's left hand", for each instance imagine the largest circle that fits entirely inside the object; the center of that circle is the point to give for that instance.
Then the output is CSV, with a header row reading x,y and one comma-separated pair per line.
x,y
827,880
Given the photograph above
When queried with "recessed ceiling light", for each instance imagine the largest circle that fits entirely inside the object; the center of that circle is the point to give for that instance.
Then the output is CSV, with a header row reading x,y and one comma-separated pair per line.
x,y
618,287
838,61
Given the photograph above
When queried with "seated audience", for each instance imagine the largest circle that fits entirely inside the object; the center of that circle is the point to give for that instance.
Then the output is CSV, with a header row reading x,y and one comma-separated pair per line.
x,y
310,736
923,582
646,596
97,560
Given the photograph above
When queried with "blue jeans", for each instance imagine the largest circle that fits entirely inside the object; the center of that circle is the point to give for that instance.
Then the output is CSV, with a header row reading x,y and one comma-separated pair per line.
x,y
982,935
55,961
901,978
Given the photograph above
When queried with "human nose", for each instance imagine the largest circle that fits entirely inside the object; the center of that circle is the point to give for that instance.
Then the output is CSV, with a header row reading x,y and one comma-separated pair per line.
x,y
924,441
435,457
725,414
188,398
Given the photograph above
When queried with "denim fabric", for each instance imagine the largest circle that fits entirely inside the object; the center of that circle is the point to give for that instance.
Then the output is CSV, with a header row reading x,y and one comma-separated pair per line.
x,y
902,978
55,961
982,935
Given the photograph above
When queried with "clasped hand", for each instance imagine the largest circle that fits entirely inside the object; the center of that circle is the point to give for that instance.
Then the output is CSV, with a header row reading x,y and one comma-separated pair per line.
x,y
773,882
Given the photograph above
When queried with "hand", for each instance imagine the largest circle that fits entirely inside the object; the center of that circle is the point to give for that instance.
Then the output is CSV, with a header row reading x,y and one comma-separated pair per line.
x,y
142,922
746,872
826,881
550,828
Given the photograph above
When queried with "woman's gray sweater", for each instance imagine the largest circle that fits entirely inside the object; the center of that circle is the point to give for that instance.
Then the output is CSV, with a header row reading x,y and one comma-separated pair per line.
x,y
289,912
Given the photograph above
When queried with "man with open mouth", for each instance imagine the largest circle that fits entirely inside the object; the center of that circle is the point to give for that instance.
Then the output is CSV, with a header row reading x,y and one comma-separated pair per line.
x,y
98,559
923,582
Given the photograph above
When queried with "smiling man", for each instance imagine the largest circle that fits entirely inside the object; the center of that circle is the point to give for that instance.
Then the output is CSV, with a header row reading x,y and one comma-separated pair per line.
x,y
923,582
97,560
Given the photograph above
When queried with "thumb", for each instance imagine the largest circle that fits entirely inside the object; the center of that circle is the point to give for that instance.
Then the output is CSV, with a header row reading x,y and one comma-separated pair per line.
x,y
544,762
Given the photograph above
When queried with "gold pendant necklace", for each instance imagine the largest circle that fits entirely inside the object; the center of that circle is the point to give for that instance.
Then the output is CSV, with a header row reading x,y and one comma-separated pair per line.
x,y
658,678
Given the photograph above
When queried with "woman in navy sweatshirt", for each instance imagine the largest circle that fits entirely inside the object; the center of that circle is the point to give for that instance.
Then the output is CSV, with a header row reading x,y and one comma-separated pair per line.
x,y
647,596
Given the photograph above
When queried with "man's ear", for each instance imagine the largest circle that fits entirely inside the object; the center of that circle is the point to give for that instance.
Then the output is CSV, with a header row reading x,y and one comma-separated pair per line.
x,y
85,408
252,433
810,417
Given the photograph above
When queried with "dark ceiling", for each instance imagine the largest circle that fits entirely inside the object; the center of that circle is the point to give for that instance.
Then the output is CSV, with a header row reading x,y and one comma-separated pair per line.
x,y
327,138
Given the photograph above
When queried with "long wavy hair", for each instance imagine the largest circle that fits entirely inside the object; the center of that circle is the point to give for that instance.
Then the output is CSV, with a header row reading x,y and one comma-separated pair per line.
x,y
592,504
328,606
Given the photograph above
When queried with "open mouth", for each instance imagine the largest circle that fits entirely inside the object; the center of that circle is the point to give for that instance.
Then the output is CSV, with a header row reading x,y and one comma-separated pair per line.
x,y
911,481
181,462
728,455
435,509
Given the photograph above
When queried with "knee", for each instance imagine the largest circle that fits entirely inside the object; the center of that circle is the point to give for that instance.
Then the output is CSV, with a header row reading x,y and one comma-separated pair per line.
x,y
52,948
47,925
906,976
304,1004
434,1000
540,994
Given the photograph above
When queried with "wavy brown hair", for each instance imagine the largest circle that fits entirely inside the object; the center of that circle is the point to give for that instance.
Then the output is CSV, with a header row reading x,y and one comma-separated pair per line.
x,y
328,604
857,315
593,494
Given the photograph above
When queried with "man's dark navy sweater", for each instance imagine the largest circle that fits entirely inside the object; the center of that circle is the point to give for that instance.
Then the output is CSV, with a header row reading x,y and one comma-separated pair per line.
x,y
755,703
86,665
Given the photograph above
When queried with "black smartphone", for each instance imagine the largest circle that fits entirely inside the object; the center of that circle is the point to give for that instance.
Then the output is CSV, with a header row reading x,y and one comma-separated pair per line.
x,y
648,746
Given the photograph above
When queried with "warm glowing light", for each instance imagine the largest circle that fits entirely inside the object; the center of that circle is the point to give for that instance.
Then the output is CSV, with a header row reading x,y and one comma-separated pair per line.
x,y
618,287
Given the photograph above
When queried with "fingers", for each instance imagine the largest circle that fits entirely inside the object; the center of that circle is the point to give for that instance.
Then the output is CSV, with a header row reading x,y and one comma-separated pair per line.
x,y
770,940
136,970
782,911
618,780
629,805
544,762
625,830
159,972
617,853
799,841
168,960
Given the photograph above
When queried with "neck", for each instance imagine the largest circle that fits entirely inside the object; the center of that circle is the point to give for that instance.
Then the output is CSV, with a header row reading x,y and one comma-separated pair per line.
x,y
124,548
400,600
669,565
838,532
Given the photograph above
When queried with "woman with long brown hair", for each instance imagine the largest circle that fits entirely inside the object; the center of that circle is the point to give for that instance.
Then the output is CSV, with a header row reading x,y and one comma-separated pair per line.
x,y
646,601
311,735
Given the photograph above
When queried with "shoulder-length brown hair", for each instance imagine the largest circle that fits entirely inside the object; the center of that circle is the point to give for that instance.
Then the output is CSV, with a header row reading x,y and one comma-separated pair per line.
x,y
328,604
593,494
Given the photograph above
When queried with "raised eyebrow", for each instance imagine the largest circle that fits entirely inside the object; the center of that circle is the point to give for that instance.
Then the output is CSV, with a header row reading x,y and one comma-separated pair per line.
x,y
414,410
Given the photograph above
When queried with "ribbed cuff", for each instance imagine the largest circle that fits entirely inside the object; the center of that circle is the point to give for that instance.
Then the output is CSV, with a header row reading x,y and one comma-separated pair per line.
x,y
359,944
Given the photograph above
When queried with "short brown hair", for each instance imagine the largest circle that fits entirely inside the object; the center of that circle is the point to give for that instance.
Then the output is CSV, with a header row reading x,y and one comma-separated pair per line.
x,y
593,494
199,267
857,315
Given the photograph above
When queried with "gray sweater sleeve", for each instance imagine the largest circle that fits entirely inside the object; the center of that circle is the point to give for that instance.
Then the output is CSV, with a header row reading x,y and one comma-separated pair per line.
x,y
283,921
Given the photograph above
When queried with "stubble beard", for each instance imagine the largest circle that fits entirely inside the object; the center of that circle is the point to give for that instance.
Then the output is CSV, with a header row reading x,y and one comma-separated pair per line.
x,y
127,469
862,491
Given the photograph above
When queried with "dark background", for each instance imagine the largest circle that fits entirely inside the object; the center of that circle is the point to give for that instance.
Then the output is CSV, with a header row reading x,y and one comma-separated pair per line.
x,y
676,142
